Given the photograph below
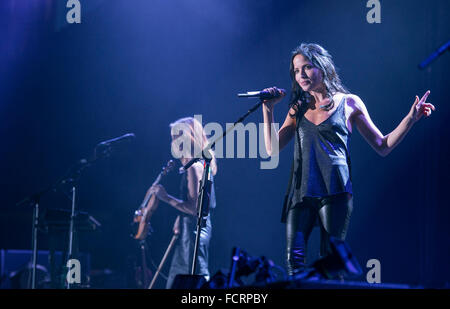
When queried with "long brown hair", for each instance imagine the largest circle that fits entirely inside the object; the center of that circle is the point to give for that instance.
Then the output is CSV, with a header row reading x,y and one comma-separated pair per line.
x,y
322,60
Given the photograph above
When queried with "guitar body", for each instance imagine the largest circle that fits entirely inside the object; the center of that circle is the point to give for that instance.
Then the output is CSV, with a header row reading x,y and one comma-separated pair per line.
x,y
141,220
143,216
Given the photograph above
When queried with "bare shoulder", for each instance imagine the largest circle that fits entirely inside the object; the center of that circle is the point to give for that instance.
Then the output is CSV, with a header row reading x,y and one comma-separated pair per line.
x,y
194,175
354,109
195,171
355,104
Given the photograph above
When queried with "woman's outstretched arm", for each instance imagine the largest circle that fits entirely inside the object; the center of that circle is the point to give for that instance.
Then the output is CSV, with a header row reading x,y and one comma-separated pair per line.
x,y
384,144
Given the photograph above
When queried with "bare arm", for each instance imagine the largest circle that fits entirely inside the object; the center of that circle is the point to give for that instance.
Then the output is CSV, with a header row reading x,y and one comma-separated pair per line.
x,y
189,206
284,134
384,144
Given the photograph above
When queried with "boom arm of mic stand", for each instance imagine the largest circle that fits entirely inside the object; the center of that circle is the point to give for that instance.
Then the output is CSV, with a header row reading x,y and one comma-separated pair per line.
x,y
203,185
210,145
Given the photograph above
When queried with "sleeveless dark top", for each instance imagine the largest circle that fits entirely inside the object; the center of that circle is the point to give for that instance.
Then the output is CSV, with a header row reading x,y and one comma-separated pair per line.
x,y
184,190
321,165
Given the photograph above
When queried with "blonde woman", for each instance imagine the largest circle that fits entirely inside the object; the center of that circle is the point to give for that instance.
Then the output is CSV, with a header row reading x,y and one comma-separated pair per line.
x,y
188,139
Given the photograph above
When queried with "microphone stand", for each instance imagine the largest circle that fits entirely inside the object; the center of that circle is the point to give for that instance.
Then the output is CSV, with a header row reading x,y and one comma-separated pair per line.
x,y
74,175
35,200
73,180
202,210
34,242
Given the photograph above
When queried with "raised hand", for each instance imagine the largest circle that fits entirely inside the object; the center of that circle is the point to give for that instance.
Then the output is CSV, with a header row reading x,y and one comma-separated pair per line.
x,y
421,107
274,90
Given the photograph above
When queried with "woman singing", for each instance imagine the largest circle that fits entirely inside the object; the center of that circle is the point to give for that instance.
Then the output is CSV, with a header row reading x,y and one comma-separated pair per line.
x,y
192,131
321,119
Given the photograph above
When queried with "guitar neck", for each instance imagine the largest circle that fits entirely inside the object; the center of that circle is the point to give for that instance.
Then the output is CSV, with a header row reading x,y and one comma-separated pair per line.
x,y
147,198
157,180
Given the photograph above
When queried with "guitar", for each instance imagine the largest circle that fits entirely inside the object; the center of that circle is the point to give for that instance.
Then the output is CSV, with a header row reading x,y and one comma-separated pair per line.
x,y
141,220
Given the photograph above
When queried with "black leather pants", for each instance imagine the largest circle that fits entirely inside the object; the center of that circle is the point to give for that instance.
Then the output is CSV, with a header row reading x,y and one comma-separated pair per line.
x,y
332,214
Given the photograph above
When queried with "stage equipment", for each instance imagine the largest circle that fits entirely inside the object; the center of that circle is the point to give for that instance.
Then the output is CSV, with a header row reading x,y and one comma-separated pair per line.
x,y
71,178
242,264
16,269
339,264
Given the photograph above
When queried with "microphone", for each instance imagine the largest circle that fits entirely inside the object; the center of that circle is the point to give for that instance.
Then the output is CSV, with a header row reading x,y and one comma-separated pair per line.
x,y
117,139
263,95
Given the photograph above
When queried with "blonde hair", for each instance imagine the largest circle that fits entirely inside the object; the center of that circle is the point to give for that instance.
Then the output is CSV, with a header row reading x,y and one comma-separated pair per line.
x,y
198,137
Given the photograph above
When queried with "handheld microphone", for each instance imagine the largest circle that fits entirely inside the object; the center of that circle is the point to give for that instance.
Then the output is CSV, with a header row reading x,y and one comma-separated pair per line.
x,y
117,139
263,95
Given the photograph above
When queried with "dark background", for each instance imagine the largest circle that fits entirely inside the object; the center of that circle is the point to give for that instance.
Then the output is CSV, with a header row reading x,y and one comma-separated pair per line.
x,y
135,66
